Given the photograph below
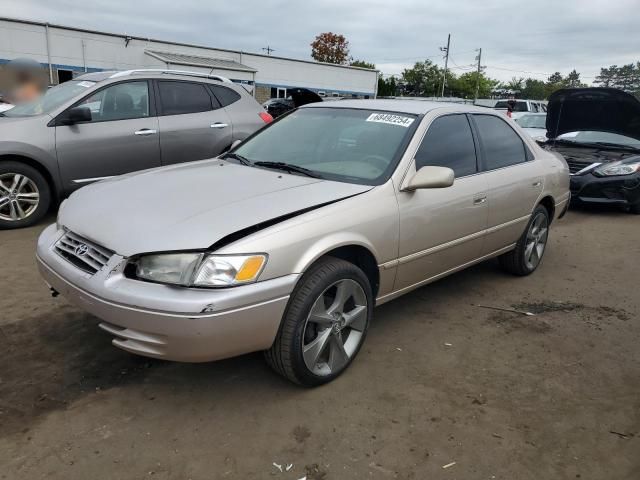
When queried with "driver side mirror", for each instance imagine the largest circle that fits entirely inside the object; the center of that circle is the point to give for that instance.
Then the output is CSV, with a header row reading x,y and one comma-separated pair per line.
x,y
235,144
75,115
431,177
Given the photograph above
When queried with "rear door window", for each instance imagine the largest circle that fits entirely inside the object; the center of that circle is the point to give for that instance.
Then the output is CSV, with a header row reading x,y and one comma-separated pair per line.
x,y
178,98
449,143
225,96
501,145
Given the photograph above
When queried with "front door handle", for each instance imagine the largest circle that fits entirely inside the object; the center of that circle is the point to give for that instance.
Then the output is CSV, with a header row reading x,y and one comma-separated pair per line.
x,y
479,200
145,131
219,125
536,184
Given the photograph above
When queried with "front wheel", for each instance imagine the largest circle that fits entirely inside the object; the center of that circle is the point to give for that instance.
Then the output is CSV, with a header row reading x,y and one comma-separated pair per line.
x,y
24,195
527,255
325,323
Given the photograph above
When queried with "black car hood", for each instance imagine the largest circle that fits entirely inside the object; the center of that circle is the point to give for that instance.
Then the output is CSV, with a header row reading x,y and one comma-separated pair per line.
x,y
303,96
594,109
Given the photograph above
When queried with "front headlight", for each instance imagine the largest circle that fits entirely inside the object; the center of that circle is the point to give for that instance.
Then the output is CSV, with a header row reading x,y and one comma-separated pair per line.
x,y
200,269
617,168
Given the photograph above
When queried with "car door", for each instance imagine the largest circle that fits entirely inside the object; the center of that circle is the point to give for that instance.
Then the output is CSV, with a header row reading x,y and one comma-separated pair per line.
x,y
121,137
514,180
193,125
442,228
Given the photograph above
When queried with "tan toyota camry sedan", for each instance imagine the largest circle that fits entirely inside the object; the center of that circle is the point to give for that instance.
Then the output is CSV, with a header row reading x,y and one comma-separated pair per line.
x,y
287,243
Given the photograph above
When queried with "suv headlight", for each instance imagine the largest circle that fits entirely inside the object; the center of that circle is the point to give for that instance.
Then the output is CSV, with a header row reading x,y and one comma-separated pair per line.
x,y
617,168
200,269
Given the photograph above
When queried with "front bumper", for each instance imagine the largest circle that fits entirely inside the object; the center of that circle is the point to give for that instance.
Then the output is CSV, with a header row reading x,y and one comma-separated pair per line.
x,y
621,190
162,321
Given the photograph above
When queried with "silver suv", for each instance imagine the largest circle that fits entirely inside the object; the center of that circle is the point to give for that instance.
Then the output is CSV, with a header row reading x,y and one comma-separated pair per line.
x,y
109,123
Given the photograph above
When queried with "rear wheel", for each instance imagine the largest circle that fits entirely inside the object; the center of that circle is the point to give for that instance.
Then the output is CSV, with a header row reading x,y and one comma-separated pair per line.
x,y
325,323
25,195
527,255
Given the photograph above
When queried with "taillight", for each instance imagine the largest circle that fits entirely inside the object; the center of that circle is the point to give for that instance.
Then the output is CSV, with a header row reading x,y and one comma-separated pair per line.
x,y
266,118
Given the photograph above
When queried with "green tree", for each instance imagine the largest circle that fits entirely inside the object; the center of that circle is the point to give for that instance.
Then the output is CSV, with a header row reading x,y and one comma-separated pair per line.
x,y
533,89
465,85
515,84
388,87
362,64
554,82
424,79
573,80
330,47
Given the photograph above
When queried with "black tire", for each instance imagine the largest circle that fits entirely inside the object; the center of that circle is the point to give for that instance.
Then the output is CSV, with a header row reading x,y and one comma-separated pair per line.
x,y
515,261
7,168
286,354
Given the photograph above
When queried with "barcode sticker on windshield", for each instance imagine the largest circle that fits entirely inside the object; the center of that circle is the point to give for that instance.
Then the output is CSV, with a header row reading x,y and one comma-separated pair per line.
x,y
86,84
390,119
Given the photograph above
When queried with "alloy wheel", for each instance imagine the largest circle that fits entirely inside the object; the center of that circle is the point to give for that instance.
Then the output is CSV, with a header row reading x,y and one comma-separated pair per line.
x,y
334,327
19,196
536,241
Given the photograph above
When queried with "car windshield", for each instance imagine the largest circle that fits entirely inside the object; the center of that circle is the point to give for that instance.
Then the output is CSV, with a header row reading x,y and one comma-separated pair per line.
x,y
532,121
342,144
589,136
52,99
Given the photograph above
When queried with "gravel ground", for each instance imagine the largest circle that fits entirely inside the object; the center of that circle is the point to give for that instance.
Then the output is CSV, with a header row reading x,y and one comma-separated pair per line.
x,y
439,380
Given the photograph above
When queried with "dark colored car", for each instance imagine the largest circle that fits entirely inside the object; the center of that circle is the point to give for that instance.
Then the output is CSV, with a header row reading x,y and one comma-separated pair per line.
x,y
296,98
597,131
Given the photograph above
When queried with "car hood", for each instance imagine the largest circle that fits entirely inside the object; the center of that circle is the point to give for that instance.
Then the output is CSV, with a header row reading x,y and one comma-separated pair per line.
x,y
191,206
595,109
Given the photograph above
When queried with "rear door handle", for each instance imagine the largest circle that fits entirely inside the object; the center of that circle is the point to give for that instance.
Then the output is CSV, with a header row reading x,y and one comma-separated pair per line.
x,y
537,184
479,200
145,131
219,125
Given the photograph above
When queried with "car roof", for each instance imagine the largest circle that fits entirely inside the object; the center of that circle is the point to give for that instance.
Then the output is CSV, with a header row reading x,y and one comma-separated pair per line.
x,y
152,73
417,107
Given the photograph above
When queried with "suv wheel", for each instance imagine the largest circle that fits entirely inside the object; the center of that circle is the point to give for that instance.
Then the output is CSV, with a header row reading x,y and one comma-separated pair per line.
x,y
526,257
25,195
325,324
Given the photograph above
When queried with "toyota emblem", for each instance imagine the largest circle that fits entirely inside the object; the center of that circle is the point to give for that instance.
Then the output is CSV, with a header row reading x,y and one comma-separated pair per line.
x,y
81,249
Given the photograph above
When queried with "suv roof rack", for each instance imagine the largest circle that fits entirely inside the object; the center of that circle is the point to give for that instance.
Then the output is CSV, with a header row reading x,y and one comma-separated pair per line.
x,y
125,73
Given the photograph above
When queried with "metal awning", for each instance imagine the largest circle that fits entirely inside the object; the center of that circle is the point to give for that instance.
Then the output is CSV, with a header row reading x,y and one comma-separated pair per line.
x,y
171,58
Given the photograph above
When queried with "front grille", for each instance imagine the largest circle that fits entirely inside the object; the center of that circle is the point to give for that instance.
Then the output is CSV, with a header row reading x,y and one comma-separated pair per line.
x,y
576,165
85,255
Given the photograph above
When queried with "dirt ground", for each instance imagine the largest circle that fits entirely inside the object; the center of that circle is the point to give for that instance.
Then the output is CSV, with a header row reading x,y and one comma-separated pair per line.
x,y
439,380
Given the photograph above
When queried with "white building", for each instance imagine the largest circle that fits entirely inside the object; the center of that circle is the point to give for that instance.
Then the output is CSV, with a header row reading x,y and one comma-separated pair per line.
x,y
66,52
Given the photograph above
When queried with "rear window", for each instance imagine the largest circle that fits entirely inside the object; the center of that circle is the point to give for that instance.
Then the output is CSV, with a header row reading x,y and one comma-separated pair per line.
x,y
519,106
225,96
183,97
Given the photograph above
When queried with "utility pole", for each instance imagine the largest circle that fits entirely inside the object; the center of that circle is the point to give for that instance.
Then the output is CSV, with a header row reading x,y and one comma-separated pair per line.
x,y
268,49
446,62
478,75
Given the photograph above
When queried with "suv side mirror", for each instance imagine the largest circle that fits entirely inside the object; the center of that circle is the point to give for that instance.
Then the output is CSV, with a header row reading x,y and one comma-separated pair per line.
x,y
75,115
431,177
235,144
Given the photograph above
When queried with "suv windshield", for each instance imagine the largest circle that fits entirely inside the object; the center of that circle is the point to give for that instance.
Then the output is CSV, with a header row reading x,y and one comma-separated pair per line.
x,y
52,99
532,121
343,144
588,136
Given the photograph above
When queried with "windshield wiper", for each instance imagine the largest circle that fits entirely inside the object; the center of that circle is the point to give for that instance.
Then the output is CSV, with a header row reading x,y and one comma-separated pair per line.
x,y
235,156
611,145
288,167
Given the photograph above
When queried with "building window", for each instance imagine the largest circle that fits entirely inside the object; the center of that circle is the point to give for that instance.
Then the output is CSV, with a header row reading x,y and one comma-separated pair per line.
x,y
64,75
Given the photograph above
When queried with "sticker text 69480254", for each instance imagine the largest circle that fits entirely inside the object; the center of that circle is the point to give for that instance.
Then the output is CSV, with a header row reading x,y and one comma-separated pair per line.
x,y
391,119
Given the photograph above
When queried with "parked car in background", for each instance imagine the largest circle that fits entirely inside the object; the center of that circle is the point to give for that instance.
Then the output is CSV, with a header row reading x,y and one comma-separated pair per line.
x,y
4,104
521,107
288,241
597,130
104,124
535,124
296,97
